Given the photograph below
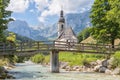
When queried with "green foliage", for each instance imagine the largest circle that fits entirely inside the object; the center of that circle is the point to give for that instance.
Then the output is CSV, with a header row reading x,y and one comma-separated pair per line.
x,y
75,58
38,58
7,59
105,29
2,62
19,59
4,18
16,59
20,38
47,59
114,14
116,60
11,37
84,34
78,58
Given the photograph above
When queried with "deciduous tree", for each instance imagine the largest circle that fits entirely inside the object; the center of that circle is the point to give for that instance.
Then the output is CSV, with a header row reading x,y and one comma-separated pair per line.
x,y
4,18
104,30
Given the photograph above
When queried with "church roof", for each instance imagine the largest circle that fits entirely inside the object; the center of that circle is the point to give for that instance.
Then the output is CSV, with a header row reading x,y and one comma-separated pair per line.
x,y
67,34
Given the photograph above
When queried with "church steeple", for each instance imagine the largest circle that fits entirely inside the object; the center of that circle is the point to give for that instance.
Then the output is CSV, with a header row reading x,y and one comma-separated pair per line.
x,y
61,23
62,17
61,13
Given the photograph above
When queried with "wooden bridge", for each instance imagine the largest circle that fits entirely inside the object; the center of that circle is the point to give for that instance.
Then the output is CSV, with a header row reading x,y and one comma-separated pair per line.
x,y
31,48
21,48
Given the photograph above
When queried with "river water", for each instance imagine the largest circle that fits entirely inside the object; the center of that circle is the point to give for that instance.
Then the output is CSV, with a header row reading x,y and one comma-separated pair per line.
x,y
31,71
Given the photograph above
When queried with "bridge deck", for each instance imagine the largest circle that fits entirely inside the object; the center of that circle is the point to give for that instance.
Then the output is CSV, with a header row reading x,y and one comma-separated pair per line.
x,y
46,46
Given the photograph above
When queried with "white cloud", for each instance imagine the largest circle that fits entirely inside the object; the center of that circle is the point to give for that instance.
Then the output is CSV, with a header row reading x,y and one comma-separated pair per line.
x,y
41,4
50,7
18,5
32,11
41,19
69,6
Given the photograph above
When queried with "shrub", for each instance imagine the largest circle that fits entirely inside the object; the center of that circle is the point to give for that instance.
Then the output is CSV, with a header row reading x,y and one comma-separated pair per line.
x,y
15,58
47,59
38,58
116,60
2,62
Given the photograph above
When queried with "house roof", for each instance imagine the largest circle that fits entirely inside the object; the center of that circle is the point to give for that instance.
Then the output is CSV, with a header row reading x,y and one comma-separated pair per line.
x,y
89,40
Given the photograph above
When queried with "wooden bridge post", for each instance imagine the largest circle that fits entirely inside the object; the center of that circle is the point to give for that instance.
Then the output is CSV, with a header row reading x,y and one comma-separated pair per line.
x,y
4,47
54,60
38,45
21,46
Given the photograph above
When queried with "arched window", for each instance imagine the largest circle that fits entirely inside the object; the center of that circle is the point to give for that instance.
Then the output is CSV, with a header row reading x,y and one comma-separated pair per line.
x,y
62,27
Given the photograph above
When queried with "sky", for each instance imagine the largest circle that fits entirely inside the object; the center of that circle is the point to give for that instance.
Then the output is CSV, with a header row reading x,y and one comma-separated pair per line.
x,y
35,12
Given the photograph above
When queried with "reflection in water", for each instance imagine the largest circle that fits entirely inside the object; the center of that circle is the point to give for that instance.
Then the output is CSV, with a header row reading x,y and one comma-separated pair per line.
x,y
30,71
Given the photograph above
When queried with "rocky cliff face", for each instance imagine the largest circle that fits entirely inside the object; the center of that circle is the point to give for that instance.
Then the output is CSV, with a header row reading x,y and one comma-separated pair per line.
x,y
78,21
23,29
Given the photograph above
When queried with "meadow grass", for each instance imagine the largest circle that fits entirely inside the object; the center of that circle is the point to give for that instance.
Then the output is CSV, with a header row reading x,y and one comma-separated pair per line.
x,y
78,58
75,58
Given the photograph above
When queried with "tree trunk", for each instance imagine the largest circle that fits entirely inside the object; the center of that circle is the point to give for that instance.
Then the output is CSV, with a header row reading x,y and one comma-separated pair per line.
x,y
112,42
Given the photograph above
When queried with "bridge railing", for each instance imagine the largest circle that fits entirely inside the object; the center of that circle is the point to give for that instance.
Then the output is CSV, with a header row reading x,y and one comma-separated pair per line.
x,y
5,48
31,46
57,45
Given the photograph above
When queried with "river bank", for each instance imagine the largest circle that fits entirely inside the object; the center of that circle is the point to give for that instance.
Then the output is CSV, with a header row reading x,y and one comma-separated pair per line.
x,y
99,66
4,74
31,71
6,63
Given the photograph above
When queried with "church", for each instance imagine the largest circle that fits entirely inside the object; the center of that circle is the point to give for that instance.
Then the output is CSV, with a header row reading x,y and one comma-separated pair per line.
x,y
65,33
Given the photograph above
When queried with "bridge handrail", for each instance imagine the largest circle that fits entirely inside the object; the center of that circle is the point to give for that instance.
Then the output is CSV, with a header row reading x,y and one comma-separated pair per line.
x,y
58,45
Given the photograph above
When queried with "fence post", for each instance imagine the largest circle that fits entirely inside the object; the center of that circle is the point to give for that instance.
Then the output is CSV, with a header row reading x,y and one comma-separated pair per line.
x,y
21,46
4,47
38,45
110,49
97,50
53,45
83,46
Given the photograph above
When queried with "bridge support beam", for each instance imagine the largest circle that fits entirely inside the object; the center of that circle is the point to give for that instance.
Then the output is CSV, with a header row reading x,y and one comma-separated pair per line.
x,y
54,61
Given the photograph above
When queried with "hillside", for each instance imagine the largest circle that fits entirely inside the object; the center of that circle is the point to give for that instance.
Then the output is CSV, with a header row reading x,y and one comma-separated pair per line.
x,y
22,28
19,37
78,21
